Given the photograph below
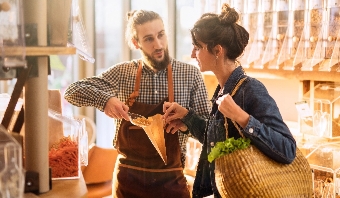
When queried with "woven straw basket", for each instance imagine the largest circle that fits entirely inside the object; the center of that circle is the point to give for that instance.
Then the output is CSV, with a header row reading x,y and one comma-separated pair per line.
x,y
249,173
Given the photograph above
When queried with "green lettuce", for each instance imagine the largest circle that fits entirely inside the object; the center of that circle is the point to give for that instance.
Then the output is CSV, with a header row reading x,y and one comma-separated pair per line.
x,y
228,146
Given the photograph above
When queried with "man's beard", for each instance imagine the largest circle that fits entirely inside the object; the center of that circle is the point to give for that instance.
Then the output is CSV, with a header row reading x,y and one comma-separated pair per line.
x,y
158,65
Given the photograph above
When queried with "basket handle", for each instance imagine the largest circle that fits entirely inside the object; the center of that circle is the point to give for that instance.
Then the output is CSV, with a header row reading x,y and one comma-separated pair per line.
x,y
225,118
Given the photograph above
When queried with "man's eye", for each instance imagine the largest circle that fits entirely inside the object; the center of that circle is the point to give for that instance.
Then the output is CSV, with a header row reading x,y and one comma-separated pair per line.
x,y
148,39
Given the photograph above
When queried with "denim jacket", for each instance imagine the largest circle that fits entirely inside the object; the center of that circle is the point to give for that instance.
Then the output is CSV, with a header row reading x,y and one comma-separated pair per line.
x,y
265,129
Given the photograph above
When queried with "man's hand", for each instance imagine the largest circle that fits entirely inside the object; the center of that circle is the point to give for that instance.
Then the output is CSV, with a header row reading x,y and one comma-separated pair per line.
x,y
114,108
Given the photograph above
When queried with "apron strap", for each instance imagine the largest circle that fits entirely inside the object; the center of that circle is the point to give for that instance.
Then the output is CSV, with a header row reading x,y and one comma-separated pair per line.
x,y
135,93
170,85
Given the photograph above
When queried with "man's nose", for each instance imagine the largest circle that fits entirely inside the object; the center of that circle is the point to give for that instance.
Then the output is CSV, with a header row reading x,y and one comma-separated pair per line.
x,y
158,44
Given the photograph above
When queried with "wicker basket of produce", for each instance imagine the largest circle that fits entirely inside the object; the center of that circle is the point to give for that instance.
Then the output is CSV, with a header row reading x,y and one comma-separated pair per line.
x,y
249,173
242,170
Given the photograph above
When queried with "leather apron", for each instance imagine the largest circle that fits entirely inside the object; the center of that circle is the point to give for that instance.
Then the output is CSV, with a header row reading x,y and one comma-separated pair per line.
x,y
140,171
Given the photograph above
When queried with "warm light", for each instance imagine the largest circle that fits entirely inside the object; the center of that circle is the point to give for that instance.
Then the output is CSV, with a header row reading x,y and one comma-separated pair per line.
x,y
264,38
279,36
324,87
313,39
295,39
331,38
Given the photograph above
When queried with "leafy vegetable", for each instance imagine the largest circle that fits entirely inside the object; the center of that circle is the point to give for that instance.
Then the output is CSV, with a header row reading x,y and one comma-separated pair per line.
x,y
228,146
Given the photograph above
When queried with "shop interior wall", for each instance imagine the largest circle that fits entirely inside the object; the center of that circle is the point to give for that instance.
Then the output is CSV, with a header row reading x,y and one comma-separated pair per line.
x,y
284,91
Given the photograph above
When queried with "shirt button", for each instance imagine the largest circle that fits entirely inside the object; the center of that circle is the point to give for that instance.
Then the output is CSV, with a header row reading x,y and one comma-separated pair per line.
x,y
251,130
212,144
156,92
155,75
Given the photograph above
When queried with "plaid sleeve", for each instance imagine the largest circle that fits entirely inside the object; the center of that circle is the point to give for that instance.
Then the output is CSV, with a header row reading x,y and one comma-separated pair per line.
x,y
199,97
94,91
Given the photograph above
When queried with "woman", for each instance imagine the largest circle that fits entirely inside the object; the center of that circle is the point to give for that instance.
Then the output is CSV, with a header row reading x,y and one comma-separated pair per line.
x,y
218,41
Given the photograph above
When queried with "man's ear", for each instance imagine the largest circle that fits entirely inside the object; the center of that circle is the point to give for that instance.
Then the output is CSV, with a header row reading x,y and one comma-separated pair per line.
x,y
135,43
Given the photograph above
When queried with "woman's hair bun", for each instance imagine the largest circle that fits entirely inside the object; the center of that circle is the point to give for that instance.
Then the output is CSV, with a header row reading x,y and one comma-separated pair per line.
x,y
228,15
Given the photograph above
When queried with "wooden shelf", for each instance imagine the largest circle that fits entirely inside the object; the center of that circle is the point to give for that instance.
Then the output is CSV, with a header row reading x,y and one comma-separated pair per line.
x,y
296,74
289,74
40,51
64,188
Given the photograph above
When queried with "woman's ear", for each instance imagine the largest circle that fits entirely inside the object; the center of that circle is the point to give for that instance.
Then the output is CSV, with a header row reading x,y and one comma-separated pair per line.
x,y
218,50
135,43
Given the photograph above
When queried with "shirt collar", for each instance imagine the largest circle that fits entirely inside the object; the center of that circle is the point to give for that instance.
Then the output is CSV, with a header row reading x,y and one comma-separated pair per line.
x,y
150,71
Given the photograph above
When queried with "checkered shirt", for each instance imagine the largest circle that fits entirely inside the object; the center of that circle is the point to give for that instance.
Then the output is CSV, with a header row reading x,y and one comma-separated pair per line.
x,y
119,81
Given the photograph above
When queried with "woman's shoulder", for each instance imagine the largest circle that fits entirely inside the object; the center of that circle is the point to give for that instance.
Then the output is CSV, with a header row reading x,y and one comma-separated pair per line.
x,y
254,86
254,82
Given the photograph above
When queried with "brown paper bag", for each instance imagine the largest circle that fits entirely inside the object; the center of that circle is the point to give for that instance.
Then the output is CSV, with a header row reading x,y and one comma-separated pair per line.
x,y
155,132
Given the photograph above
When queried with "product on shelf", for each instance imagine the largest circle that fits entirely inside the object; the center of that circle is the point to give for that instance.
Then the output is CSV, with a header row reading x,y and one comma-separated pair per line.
x,y
63,158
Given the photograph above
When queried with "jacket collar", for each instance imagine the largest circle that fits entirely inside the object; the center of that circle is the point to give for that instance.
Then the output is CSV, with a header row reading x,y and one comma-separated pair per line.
x,y
235,76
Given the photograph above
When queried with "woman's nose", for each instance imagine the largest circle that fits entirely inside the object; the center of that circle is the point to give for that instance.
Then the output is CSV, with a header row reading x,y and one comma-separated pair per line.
x,y
193,53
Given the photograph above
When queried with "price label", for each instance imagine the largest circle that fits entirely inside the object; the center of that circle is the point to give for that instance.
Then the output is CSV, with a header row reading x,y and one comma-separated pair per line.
x,y
303,109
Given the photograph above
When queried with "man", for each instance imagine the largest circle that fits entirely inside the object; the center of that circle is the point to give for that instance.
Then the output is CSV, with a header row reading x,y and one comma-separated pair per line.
x,y
142,86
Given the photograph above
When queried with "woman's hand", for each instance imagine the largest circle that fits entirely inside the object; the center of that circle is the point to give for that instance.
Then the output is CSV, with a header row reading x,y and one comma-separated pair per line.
x,y
228,107
174,126
173,112
114,108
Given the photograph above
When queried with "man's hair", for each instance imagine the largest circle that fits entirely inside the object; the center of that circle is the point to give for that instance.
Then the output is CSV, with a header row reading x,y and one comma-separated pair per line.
x,y
138,17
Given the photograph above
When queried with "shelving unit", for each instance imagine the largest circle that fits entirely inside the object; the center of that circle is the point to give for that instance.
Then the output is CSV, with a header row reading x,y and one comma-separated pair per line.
x,y
60,188
35,93
48,31
42,51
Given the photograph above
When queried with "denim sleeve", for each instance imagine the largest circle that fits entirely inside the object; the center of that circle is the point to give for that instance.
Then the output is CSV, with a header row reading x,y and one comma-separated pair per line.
x,y
265,127
279,146
196,125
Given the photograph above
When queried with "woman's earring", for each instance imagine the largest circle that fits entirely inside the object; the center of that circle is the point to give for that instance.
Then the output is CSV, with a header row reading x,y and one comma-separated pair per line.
x,y
216,57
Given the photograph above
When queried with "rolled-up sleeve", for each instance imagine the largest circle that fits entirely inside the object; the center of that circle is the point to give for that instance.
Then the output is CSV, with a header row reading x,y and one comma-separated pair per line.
x,y
93,91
